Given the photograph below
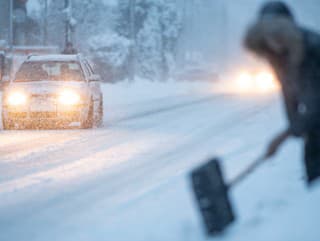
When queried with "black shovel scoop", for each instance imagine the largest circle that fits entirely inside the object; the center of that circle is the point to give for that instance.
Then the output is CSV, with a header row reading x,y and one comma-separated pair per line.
x,y
211,190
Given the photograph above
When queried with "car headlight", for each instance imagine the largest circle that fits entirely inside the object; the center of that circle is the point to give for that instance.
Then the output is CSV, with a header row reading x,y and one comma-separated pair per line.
x,y
69,97
266,82
245,82
262,81
17,99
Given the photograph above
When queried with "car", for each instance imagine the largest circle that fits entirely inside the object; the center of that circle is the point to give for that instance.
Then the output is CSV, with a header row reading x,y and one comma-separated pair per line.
x,y
256,81
53,91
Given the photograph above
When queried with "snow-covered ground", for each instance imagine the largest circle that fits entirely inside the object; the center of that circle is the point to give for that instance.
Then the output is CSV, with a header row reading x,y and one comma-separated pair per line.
x,y
129,179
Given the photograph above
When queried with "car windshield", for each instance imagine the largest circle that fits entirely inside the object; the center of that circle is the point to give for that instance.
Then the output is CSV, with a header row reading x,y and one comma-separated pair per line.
x,y
51,71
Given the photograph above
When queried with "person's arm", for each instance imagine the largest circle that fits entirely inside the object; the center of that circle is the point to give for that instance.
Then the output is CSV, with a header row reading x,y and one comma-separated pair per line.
x,y
291,103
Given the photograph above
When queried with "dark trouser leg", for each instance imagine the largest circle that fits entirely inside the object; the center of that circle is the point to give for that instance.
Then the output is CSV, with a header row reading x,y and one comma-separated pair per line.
x,y
312,156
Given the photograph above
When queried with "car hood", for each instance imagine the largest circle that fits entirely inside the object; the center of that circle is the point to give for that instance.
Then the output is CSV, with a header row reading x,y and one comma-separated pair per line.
x,y
48,87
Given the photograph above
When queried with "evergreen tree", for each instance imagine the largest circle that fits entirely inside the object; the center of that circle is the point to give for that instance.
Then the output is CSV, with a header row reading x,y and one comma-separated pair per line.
x,y
157,38
156,28
123,18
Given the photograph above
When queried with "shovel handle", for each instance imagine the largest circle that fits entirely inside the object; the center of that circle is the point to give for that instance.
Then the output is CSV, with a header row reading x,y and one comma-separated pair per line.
x,y
248,171
272,149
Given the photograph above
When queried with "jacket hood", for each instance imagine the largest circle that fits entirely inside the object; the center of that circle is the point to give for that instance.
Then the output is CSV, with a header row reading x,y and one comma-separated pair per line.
x,y
277,35
276,8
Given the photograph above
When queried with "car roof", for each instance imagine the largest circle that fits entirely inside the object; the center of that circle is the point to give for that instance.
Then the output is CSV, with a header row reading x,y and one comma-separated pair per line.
x,y
54,58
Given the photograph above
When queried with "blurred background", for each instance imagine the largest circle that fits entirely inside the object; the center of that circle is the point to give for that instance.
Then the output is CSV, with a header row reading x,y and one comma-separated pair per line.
x,y
150,39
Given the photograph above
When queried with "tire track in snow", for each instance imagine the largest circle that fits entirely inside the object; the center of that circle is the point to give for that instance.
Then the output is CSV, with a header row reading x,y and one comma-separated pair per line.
x,y
57,156
30,150
25,146
20,148
52,156
174,107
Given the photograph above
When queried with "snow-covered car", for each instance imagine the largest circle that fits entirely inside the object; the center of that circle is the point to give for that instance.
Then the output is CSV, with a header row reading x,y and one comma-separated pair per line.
x,y
53,91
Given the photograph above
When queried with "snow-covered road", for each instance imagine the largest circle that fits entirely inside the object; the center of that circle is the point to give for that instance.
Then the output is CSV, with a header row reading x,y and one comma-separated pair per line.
x,y
76,184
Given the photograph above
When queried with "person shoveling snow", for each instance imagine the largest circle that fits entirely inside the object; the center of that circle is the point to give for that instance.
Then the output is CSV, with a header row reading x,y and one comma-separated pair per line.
x,y
294,54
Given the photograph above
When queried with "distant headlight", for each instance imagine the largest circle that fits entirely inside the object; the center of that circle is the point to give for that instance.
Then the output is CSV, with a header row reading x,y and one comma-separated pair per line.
x,y
245,81
262,81
266,82
17,99
69,97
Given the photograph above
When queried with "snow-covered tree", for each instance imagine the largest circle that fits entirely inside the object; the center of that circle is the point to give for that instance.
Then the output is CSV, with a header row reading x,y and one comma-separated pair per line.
x,y
93,18
56,23
157,39
90,17
155,33
149,41
149,45
110,53
123,18
171,25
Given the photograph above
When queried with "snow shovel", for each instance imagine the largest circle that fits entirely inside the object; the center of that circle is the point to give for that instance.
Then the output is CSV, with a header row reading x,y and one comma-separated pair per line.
x,y
211,191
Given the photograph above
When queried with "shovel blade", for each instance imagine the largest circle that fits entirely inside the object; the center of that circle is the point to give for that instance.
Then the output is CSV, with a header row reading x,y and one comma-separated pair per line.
x,y
211,193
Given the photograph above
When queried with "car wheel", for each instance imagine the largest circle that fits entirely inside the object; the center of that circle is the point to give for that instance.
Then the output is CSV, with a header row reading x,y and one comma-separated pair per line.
x,y
100,113
88,123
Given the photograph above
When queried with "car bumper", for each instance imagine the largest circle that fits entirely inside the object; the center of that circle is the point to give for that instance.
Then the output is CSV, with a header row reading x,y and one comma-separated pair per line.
x,y
44,119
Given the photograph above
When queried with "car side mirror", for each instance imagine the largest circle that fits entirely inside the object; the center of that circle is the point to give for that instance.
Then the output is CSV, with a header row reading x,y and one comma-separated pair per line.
x,y
94,77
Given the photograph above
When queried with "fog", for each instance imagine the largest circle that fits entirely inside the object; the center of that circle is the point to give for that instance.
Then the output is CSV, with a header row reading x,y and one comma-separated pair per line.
x,y
216,28
205,32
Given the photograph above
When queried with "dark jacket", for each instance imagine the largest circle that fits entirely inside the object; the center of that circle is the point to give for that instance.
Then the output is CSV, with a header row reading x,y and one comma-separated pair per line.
x,y
294,54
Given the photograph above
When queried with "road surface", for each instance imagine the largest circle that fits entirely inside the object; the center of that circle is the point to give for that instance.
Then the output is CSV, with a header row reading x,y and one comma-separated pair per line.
x,y
54,181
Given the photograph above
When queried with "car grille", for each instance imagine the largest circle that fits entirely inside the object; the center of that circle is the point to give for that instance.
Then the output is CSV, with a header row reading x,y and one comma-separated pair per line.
x,y
44,96
17,115
73,115
43,115
69,115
